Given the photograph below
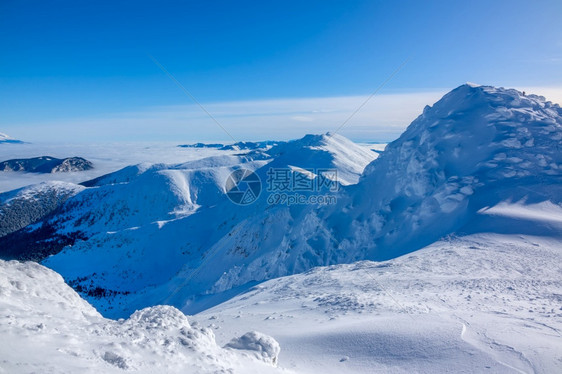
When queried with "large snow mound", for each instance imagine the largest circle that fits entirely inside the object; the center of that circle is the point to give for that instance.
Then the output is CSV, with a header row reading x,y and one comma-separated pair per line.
x,y
476,147
46,327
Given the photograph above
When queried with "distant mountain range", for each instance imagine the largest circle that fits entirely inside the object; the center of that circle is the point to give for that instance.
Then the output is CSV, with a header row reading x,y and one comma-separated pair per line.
x,y
238,146
46,164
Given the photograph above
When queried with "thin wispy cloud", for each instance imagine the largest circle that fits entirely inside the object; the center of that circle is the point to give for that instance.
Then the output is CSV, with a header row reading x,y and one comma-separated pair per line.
x,y
382,119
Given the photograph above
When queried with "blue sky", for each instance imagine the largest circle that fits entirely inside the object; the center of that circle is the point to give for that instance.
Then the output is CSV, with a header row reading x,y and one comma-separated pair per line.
x,y
73,70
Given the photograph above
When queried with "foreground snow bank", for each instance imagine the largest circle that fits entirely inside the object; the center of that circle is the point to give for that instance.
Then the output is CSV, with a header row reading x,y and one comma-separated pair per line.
x,y
46,327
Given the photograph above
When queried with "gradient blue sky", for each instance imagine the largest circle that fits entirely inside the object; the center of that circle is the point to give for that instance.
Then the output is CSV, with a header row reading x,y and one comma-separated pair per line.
x,y
76,70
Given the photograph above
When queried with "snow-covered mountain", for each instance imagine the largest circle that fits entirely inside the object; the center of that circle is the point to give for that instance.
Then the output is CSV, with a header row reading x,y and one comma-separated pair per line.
x,y
167,234
152,199
132,197
477,149
8,140
46,327
328,151
181,240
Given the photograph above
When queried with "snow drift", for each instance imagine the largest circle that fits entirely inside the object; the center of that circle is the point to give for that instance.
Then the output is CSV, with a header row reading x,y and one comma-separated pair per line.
x,y
47,327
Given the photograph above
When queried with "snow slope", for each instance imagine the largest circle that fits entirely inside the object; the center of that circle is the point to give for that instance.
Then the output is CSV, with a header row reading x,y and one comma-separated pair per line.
x,y
474,304
46,327
27,205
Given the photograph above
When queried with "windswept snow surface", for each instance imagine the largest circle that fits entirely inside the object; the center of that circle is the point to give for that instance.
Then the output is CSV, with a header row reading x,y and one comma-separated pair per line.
x,y
483,303
45,327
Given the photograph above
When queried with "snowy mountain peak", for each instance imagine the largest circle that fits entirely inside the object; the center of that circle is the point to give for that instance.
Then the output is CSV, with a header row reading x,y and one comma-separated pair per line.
x,y
471,84
476,127
322,139
324,151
